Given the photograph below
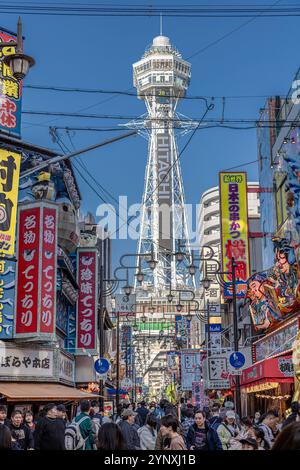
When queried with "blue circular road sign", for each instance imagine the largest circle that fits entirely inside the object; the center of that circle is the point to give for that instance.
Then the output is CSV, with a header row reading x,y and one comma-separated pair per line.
x,y
101,365
237,360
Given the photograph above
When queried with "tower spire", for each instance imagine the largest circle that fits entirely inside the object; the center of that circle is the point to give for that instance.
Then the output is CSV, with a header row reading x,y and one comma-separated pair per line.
x,y
161,24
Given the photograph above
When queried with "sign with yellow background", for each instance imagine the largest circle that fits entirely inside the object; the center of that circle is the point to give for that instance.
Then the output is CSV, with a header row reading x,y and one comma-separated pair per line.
x,y
9,185
234,230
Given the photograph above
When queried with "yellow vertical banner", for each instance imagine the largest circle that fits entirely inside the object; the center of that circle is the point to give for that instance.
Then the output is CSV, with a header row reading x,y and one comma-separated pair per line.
x,y
234,230
10,163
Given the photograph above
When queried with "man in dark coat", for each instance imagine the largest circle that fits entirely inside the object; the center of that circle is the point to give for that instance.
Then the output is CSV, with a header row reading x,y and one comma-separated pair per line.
x,y
49,432
201,436
142,413
295,407
22,438
128,430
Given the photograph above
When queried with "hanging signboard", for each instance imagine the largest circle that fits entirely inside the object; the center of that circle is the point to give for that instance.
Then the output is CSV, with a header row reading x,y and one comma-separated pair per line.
x,y
7,298
190,368
234,230
10,91
9,182
36,271
87,304
125,304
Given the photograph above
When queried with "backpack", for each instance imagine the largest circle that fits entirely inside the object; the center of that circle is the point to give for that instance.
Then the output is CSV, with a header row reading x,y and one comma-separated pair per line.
x,y
73,436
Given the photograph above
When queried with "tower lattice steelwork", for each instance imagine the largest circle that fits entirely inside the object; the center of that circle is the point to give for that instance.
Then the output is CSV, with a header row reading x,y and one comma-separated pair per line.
x,y
161,78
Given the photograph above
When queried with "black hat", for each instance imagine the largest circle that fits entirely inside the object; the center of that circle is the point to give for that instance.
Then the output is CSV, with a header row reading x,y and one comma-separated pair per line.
x,y
61,408
249,440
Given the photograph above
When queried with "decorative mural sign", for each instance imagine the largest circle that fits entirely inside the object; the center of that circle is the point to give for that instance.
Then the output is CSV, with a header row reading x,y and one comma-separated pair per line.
x,y
234,230
10,91
36,271
87,304
277,342
9,182
274,294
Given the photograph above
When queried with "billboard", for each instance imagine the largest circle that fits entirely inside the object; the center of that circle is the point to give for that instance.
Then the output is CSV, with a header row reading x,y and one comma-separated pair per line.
x,y
234,230
10,91
87,304
9,183
164,162
36,270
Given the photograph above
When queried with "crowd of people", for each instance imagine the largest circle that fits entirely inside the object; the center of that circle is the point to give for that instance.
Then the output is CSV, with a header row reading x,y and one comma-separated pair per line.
x,y
152,426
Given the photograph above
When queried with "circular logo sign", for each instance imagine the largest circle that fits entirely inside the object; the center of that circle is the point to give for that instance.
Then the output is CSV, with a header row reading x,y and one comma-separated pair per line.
x,y
237,360
101,365
3,215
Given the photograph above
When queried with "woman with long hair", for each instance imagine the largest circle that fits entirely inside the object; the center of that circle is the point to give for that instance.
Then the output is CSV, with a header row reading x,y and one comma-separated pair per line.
x,y
110,437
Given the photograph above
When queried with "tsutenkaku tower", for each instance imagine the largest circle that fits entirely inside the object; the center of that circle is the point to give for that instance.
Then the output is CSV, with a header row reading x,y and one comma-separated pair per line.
x,y
161,78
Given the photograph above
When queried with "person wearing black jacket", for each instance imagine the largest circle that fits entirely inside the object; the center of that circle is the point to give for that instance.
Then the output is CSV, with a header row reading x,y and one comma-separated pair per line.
x,y
201,436
49,432
295,407
128,430
22,438
142,413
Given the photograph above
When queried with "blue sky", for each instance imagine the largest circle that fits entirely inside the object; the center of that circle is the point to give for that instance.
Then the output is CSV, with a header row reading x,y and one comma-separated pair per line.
x,y
96,52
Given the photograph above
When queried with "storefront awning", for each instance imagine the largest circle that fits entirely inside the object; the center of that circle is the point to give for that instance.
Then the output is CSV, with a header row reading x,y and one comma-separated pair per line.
x,y
272,371
42,392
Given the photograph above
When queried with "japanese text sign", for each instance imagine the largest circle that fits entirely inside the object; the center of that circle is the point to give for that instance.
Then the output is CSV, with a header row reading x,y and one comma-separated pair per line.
x,y
234,229
87,304
10,91
7,298
15,362
36,270
9,183
190,368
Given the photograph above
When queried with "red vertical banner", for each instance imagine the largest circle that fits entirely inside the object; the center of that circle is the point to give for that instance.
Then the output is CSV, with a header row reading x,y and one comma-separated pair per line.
x,y
48,270
27,292
87,303
36,271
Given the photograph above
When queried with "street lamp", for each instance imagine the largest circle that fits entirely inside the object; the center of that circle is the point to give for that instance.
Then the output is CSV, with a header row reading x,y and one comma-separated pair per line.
x,y
152,261
139,274
179,307
18,62
127,288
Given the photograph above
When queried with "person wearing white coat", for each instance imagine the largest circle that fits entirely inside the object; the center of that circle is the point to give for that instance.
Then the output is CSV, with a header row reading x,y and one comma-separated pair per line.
x,y
148,433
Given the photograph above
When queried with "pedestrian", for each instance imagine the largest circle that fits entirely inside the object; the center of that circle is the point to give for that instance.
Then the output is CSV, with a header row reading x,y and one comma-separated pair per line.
x,y
148,433
117,418
86,428
168,428
268,425
257,417
5,437
28,420
129,431
294,416
249,444
188,419
227,430
288,438
142,413
61,413
3,415
215,418
22,438
49,432
110,437
258,434
201,435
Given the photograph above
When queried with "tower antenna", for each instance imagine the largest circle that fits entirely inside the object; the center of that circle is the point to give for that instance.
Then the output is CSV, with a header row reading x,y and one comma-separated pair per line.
x,y
161,24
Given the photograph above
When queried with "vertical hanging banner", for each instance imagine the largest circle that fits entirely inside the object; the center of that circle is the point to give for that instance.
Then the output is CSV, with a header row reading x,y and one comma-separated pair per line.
x,y
10,91
87,304
9,183
234,230
190,368
36,271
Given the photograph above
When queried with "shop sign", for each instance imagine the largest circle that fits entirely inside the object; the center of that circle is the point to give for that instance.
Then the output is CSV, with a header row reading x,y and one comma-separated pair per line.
x,y
36,271
15,362
182,329
108,408
9,184
11,91
234,230
218,375
277,342
199,400
125,304
190,368
172,360
87,304
269,369
66,368
7,298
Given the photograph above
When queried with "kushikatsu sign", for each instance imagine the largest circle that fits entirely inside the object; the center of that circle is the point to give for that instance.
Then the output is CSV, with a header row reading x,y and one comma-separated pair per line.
x,y
87,304
234,230
36,271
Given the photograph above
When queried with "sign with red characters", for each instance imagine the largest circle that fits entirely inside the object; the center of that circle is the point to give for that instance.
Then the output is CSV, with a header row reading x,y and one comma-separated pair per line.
x,y
36,270
87,304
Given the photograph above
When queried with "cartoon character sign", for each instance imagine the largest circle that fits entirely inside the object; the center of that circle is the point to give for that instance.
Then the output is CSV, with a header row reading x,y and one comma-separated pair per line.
x,y
275,293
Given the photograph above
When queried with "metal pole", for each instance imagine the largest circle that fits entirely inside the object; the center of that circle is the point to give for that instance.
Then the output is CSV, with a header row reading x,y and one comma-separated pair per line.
x,y
118,361
208,329
101,336
236,338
